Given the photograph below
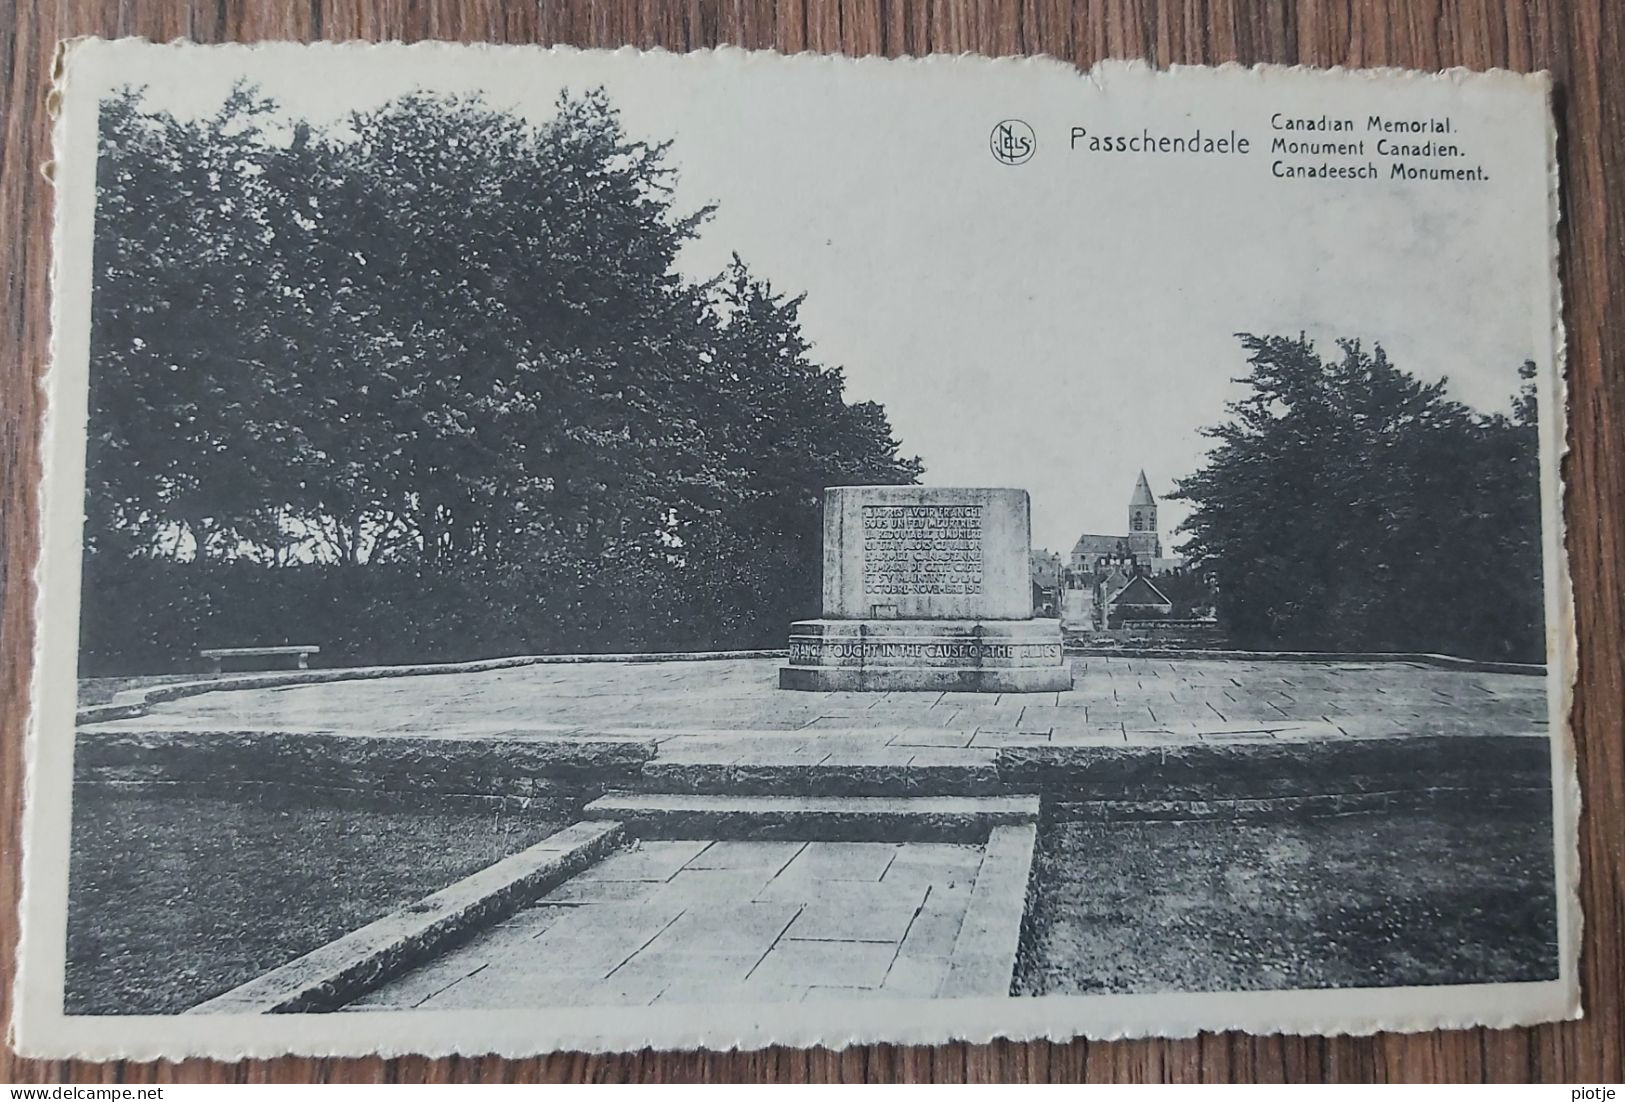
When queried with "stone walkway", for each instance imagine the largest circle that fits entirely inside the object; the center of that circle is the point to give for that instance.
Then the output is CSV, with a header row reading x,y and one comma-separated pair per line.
x,y
701,921
687,917
731,711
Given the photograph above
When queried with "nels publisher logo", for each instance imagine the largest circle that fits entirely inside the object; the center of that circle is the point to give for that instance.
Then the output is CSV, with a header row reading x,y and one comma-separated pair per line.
x,y
1013,142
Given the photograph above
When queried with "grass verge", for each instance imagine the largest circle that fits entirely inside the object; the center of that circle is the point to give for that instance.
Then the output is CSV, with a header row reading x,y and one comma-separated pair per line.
x,y
174,898
1442,892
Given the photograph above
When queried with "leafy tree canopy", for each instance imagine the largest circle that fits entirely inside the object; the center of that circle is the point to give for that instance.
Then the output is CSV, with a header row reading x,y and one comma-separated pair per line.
x,y
439,336
1346,505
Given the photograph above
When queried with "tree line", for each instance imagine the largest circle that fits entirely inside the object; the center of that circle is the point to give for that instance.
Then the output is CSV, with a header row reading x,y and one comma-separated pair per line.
x,y
1347,506
428,382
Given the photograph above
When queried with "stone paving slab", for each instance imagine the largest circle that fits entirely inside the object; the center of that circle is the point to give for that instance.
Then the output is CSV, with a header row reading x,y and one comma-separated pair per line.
x,y
935,864
865,861
729,929
831,963
441,972
703,887
934,933
584,890
654,861
595,940
797,921
880,913
934,738
747,856
914,977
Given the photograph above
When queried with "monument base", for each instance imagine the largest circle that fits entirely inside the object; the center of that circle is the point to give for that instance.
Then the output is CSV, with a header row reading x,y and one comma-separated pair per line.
x,y
978,656
925,679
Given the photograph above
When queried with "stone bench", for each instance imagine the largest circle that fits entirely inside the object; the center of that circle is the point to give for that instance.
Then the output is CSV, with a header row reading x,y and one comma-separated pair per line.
x,y
218,654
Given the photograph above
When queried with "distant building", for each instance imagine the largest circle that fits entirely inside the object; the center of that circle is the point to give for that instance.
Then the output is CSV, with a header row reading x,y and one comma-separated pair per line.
x,y
1139,549
1047,568
1140,599
1048,572
1108,577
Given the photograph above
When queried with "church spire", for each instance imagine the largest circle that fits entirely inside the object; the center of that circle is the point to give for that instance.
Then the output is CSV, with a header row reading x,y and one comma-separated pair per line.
x,y
1142,520
1142,492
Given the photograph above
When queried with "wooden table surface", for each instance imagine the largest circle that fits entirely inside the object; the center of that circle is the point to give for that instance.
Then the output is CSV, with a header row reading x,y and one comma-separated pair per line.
x,y
1583,44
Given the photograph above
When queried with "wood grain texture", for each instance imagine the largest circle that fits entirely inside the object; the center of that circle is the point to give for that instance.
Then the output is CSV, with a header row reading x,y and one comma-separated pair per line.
x,y
1582,43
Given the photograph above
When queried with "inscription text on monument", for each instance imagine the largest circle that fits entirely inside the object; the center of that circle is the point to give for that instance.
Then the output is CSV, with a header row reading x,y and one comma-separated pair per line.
x,y
922,549
819,650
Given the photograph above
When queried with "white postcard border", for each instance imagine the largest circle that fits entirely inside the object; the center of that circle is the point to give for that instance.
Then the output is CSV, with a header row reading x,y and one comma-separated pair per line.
x,y
40,1028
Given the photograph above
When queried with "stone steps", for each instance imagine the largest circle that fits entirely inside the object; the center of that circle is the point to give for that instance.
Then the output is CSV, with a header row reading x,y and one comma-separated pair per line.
x,y
971,778
814,818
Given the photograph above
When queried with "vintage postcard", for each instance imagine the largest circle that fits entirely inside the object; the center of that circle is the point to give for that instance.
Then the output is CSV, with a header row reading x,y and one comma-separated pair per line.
x,y
550,549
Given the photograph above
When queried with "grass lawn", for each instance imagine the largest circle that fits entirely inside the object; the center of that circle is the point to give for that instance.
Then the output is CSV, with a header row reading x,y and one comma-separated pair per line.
x,y
1447,893
175,898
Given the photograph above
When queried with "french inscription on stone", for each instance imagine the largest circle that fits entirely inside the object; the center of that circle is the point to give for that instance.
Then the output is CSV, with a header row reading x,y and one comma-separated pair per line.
x,y
819,650
913,549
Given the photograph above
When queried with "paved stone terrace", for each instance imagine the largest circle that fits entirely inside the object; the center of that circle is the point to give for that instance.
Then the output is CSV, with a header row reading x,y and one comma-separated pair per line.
x,y
703,921
731,711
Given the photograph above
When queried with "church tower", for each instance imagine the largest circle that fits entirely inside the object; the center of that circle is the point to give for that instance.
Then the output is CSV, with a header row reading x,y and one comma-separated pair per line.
x,y
1142,521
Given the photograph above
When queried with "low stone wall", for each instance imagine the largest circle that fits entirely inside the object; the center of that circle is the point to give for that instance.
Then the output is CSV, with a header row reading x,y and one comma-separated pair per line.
x,y
1328,775
551,768
325,978
1443,661
585,768
139,700
1168,633
1513,802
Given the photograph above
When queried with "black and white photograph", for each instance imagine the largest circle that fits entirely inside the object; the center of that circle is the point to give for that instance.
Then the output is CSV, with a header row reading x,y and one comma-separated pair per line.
x,y
574,549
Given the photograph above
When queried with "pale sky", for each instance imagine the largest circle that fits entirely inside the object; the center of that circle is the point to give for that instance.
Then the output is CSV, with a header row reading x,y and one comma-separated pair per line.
x,y
1056,325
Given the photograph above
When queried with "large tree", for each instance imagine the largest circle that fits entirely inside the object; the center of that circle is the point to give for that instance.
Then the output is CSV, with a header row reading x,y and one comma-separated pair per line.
x,y
188,307
440,338
786,432
1346,505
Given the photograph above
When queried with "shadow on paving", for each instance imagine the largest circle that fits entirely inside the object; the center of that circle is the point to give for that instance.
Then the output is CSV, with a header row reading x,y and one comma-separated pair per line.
x,y
1452,891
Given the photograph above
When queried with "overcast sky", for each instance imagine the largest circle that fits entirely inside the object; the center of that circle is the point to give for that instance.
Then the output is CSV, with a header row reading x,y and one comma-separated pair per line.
x,y
1056,325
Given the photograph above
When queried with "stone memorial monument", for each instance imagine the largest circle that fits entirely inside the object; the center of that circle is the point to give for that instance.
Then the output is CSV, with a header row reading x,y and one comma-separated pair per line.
x,y
926,588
